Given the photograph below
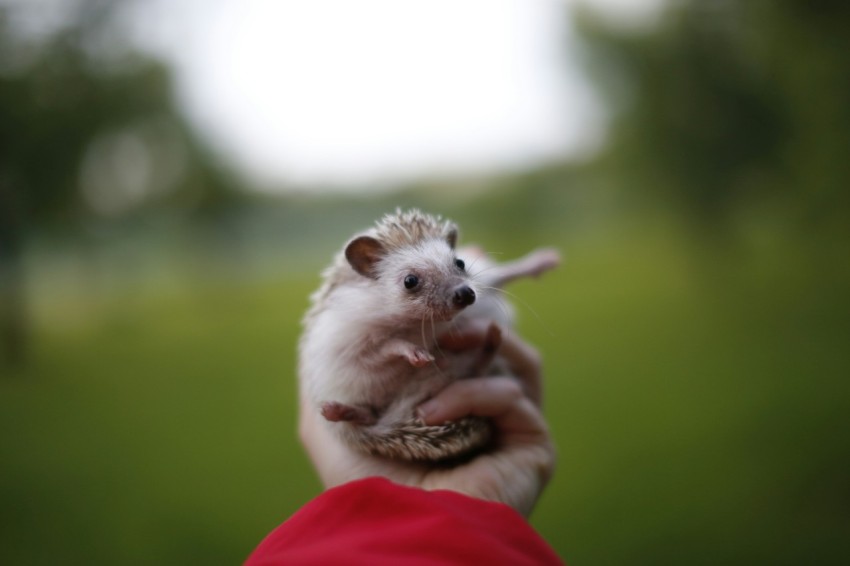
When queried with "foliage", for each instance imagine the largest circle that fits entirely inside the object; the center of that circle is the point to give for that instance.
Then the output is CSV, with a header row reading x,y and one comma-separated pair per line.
x,y
731,107
67,90
88,128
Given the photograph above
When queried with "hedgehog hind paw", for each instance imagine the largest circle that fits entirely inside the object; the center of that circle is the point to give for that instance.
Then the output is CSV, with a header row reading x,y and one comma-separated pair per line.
x,y
340,412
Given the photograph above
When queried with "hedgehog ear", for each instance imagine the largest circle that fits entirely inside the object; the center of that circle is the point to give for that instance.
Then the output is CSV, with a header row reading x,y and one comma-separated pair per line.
x,y
451,237
363,254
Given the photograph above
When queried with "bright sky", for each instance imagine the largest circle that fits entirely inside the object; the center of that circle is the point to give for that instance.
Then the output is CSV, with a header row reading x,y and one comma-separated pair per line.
x,y
359,92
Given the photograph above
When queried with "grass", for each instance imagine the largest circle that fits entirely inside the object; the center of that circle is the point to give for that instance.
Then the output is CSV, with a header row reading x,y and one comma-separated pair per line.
x,y
695,411
696,406
158,431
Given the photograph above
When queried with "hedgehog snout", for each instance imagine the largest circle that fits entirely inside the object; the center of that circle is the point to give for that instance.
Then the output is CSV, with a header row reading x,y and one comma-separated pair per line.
x,y
463,296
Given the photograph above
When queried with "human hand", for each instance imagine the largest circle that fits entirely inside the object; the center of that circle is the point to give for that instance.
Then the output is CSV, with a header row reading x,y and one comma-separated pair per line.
x,y
514,471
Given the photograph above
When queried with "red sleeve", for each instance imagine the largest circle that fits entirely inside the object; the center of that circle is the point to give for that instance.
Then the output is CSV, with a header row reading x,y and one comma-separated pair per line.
x,y
377,522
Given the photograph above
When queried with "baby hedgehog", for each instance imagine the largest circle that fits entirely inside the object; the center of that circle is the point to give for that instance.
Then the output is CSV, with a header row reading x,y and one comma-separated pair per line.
x,y
366,356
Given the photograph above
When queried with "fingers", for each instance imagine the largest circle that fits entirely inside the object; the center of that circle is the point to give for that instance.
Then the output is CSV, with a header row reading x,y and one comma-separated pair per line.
x,y
470,335
501,399
522,358
524,362
516,468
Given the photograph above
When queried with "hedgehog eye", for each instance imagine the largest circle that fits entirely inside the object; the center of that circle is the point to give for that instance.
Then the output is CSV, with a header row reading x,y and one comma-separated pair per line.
x,y
460,263
411,281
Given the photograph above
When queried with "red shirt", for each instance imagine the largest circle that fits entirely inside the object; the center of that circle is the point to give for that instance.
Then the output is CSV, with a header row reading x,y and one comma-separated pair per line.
x,y
376,522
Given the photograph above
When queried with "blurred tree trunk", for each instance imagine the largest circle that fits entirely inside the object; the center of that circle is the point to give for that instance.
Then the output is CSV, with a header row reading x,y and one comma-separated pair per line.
x,y
13,319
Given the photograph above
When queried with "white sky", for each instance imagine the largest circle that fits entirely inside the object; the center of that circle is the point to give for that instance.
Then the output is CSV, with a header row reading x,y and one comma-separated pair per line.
x,y
358,92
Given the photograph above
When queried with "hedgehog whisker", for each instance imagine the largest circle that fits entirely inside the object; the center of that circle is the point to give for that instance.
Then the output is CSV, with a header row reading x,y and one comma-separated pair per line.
x,y
473,276
499,304
436,344
474,261
527,306
422,329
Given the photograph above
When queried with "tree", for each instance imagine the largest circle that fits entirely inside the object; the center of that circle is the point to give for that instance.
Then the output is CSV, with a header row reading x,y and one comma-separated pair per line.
x,y
87,126
727,106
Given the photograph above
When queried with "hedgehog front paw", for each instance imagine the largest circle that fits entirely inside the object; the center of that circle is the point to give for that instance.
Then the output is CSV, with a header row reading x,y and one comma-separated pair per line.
x,y
419,357
416,356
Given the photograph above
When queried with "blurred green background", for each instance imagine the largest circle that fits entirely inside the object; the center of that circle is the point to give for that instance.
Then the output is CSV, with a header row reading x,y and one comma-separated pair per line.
x,y
695,339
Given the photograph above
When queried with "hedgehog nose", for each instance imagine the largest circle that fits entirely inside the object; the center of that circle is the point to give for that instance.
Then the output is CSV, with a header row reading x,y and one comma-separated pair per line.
x,y
464,296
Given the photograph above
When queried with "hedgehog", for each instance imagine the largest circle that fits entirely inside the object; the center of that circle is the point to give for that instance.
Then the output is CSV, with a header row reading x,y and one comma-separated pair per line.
x,y
368,351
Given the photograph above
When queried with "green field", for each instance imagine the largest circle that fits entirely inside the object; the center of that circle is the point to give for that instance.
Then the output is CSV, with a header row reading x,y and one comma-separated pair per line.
x,y
696,399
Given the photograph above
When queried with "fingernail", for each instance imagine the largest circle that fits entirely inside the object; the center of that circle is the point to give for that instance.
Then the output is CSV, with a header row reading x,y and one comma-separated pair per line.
x,y
427,408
